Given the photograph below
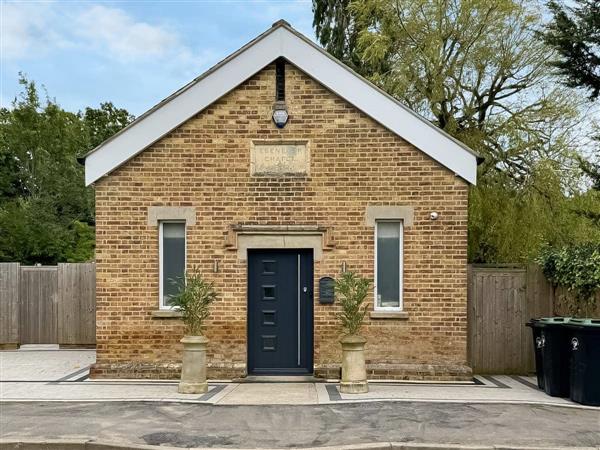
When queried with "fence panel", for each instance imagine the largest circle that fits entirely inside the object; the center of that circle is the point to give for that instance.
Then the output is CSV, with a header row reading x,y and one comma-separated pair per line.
x,y
501,300
77,304
39,309
9,305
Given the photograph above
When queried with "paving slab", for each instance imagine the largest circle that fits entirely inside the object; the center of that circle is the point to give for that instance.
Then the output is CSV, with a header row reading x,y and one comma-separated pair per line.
x,y
43,365
271,393
497,389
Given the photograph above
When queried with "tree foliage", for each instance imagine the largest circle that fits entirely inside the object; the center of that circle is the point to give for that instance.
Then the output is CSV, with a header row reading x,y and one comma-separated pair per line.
x,y
46,212
336,30
479,71
511,225
102,123
576,268
474,67
575,34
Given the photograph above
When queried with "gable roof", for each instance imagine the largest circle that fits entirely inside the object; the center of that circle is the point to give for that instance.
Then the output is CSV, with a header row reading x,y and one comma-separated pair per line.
x,y
281,40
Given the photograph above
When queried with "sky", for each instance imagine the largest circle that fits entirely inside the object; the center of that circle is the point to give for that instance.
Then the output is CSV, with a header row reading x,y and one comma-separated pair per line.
x,y
133,52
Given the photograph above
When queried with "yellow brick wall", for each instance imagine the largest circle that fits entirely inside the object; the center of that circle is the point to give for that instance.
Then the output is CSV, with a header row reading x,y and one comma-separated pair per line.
x,y
355,162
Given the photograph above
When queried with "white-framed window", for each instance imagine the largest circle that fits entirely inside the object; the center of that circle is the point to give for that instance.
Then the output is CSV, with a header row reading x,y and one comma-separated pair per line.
x,y
172,258
388,265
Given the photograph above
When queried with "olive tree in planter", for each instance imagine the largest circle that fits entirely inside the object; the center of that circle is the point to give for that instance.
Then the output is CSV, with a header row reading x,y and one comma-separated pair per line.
x,y
193,299
351,291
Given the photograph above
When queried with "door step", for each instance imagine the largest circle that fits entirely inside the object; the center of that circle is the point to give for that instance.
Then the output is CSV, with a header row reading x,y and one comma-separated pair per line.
x,y
279,379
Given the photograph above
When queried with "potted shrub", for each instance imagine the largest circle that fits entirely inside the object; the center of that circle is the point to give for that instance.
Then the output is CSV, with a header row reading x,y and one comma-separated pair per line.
x,y
351,291
193,299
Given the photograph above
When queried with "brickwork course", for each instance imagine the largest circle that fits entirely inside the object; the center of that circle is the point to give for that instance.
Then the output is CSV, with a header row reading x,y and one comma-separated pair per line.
x,y
354,163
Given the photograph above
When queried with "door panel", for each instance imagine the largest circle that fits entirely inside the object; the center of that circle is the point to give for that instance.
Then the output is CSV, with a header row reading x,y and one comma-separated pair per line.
x,y
280,312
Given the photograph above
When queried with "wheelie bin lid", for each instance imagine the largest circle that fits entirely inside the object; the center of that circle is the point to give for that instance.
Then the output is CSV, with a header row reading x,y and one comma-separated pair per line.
x,y
555,320
585,323
545,321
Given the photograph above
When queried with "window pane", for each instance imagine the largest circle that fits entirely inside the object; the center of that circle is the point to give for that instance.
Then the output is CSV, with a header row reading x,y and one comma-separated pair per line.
x,y
388,264
173,257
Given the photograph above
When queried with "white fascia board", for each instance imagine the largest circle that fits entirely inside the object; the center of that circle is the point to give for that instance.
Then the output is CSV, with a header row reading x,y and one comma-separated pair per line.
x,y
310,59
181,107
382,108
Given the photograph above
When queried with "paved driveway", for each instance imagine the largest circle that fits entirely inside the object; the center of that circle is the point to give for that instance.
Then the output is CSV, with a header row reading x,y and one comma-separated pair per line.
x,y
44,364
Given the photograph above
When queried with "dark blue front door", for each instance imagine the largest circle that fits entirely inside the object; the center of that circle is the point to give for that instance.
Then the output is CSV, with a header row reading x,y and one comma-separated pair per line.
x,y
280,312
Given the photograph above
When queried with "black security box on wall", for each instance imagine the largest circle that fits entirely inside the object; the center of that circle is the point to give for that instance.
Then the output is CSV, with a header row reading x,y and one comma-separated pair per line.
x,y
326,290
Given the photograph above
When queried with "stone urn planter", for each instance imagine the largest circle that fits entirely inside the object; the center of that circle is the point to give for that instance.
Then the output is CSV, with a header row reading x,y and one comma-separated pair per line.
x,y
193,368
193,299
351,290
354,370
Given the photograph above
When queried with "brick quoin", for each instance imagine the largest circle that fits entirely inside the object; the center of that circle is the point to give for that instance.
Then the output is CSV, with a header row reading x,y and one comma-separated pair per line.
x,y
354,162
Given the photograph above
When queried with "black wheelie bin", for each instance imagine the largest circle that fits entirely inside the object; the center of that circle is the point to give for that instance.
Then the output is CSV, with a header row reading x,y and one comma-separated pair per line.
x,y
585,361
556,353
536,330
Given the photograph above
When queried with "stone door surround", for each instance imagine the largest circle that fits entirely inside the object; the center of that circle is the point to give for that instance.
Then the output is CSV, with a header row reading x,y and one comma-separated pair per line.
x,y
244,237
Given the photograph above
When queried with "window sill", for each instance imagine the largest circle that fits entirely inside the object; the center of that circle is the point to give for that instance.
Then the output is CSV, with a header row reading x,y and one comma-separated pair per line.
x,y
399,315
166,314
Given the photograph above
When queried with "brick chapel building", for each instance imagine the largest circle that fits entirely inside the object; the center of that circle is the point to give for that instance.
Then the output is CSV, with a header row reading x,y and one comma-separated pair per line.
x,y
272,173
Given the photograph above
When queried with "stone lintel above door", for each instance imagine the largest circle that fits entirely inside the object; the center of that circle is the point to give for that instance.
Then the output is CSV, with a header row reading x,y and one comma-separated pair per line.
x,y
244,237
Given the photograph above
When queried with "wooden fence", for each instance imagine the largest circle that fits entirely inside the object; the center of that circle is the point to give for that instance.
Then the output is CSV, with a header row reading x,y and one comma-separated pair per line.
x,y
9,304
47,304
501,300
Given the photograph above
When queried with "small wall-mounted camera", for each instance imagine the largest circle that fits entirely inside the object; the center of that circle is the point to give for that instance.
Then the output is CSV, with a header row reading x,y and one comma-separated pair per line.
x,y
434,215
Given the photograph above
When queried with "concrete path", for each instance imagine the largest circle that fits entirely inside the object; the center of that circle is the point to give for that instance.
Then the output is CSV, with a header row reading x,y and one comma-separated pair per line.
x,y
281,426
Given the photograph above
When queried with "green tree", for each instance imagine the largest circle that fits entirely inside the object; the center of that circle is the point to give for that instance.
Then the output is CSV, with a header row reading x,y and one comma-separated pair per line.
x,y
588,204
474,67
104,122
46,212
508,224
478,70
575,35
336,30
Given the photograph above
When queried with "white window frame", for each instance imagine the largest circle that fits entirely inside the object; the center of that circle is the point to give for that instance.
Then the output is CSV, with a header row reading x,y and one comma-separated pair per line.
x,y
160,260
376,307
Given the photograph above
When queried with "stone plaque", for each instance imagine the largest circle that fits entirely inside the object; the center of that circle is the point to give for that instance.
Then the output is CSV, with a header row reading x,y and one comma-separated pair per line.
x,y
281,159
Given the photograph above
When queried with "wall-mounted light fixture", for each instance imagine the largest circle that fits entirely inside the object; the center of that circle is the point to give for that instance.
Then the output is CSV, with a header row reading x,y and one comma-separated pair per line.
x,y
344,267
216,266
434,215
